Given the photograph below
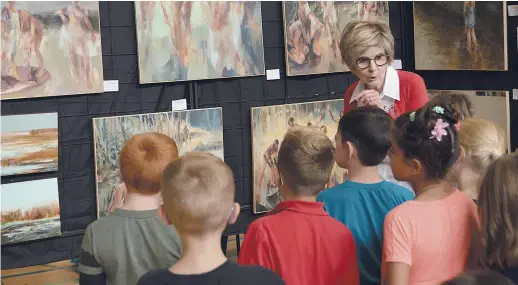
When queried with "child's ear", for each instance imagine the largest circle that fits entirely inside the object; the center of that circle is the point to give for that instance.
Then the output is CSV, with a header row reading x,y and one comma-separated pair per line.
x,y
416,166
236,209
351,150
462,155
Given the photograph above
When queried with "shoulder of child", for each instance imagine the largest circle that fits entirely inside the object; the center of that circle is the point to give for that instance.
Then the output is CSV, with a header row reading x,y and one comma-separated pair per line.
x,y
154,277
400,191
259,275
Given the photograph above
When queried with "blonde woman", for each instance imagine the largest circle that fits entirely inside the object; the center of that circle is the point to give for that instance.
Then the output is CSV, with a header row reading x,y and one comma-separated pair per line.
x,y
482,142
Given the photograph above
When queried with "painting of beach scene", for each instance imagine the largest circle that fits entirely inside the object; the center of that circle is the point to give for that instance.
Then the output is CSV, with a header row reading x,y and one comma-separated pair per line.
x,y
192,130
29,143
460,35
193,40
489,105
30,211
269,125
312,31
50,48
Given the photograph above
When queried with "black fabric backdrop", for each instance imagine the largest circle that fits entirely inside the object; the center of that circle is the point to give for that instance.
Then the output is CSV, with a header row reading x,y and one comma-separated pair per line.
x,y
76,173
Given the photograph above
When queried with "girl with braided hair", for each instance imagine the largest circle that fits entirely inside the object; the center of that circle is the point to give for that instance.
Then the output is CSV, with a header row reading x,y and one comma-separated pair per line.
x,y
427,240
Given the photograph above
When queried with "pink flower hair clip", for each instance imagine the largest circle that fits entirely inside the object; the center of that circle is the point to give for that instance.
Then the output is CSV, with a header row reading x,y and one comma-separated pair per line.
x,y
439,130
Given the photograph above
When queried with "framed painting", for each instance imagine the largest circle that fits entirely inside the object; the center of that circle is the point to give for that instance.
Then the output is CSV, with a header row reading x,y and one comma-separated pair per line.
x,y
489,105
30,211
180,41
269,125
192,130
50,48
29,143
312,31
463,35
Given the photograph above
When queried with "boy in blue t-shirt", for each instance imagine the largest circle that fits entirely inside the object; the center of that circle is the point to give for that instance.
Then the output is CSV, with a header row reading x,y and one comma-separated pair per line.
x,y
361,203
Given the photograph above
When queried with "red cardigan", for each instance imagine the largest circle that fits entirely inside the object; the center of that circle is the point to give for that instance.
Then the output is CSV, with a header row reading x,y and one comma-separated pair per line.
x,y
412,94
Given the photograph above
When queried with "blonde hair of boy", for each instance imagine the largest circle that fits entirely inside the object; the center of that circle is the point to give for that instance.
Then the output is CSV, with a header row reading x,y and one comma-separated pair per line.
x,y
358,36
482,142
497,205
198,193
306,158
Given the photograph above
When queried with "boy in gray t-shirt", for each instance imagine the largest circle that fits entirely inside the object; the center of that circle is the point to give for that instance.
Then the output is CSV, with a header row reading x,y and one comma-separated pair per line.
x,y
119,248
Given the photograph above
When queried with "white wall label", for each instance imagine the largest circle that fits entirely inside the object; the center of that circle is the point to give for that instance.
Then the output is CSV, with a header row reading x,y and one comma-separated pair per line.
x,y
111,85
273,74
179,105
512,10
515,94
397,64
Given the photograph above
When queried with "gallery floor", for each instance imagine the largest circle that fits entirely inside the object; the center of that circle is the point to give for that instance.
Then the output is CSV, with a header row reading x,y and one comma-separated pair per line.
x,y
65,272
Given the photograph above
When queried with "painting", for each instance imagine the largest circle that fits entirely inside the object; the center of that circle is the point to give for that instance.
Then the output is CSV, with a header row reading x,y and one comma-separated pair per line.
x,y
269,125
180,41
312,31
192,130
50,48
30,210
489,105
29,143
463,35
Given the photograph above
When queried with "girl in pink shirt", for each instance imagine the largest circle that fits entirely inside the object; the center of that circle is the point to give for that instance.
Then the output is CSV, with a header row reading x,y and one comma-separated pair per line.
x,y
426,241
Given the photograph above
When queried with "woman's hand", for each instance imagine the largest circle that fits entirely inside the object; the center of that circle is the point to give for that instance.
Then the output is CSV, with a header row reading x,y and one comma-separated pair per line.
x,y
369,97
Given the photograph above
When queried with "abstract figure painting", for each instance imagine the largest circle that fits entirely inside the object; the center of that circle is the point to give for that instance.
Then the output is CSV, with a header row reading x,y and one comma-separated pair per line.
x,y
192,130
312,31
465,35
29,143
50,48
179,41
30,211
269,125
488,105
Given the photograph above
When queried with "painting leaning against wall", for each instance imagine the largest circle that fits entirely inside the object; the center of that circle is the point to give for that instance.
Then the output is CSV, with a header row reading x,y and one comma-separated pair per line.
x,y
312,31
29,143
183,40
50,48
192,130
30,211
460,35
269,125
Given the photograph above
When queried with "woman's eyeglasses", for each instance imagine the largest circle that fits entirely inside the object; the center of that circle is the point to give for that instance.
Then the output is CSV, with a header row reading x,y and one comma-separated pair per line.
x,y
364,62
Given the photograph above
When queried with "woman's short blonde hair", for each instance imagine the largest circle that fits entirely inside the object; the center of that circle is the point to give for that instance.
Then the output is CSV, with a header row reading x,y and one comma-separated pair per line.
x,y
482,142
358,36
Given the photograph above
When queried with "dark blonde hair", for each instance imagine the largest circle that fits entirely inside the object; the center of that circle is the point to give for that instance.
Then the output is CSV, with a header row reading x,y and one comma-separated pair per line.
x,y
498,209
358,36
306,159
479,278
143,159
458,101
198,193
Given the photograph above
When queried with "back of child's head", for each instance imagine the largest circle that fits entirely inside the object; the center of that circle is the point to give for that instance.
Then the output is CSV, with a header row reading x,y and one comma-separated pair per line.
x,y
430,136
480,278
368,129
143,159
456,100
306,158
498,209
198,193
482,142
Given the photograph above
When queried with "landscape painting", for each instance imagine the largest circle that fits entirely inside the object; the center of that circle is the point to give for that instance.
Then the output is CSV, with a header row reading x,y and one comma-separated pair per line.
x,y
489,105
269,125
183,40
29,143
312,31
30,211
192,130
50,48
463,35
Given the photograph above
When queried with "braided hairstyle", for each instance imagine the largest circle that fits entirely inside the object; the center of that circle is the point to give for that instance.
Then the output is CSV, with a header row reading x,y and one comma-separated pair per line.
x,y
413,134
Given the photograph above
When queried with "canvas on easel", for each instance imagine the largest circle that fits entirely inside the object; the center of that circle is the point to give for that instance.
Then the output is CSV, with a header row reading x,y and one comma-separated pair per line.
x,y
460,35
192,130
269,125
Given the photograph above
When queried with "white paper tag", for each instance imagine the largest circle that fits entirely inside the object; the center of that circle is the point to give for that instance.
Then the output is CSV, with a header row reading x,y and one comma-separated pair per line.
x,y
179,105
515,94
273,74
397,64
111,85
512,10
